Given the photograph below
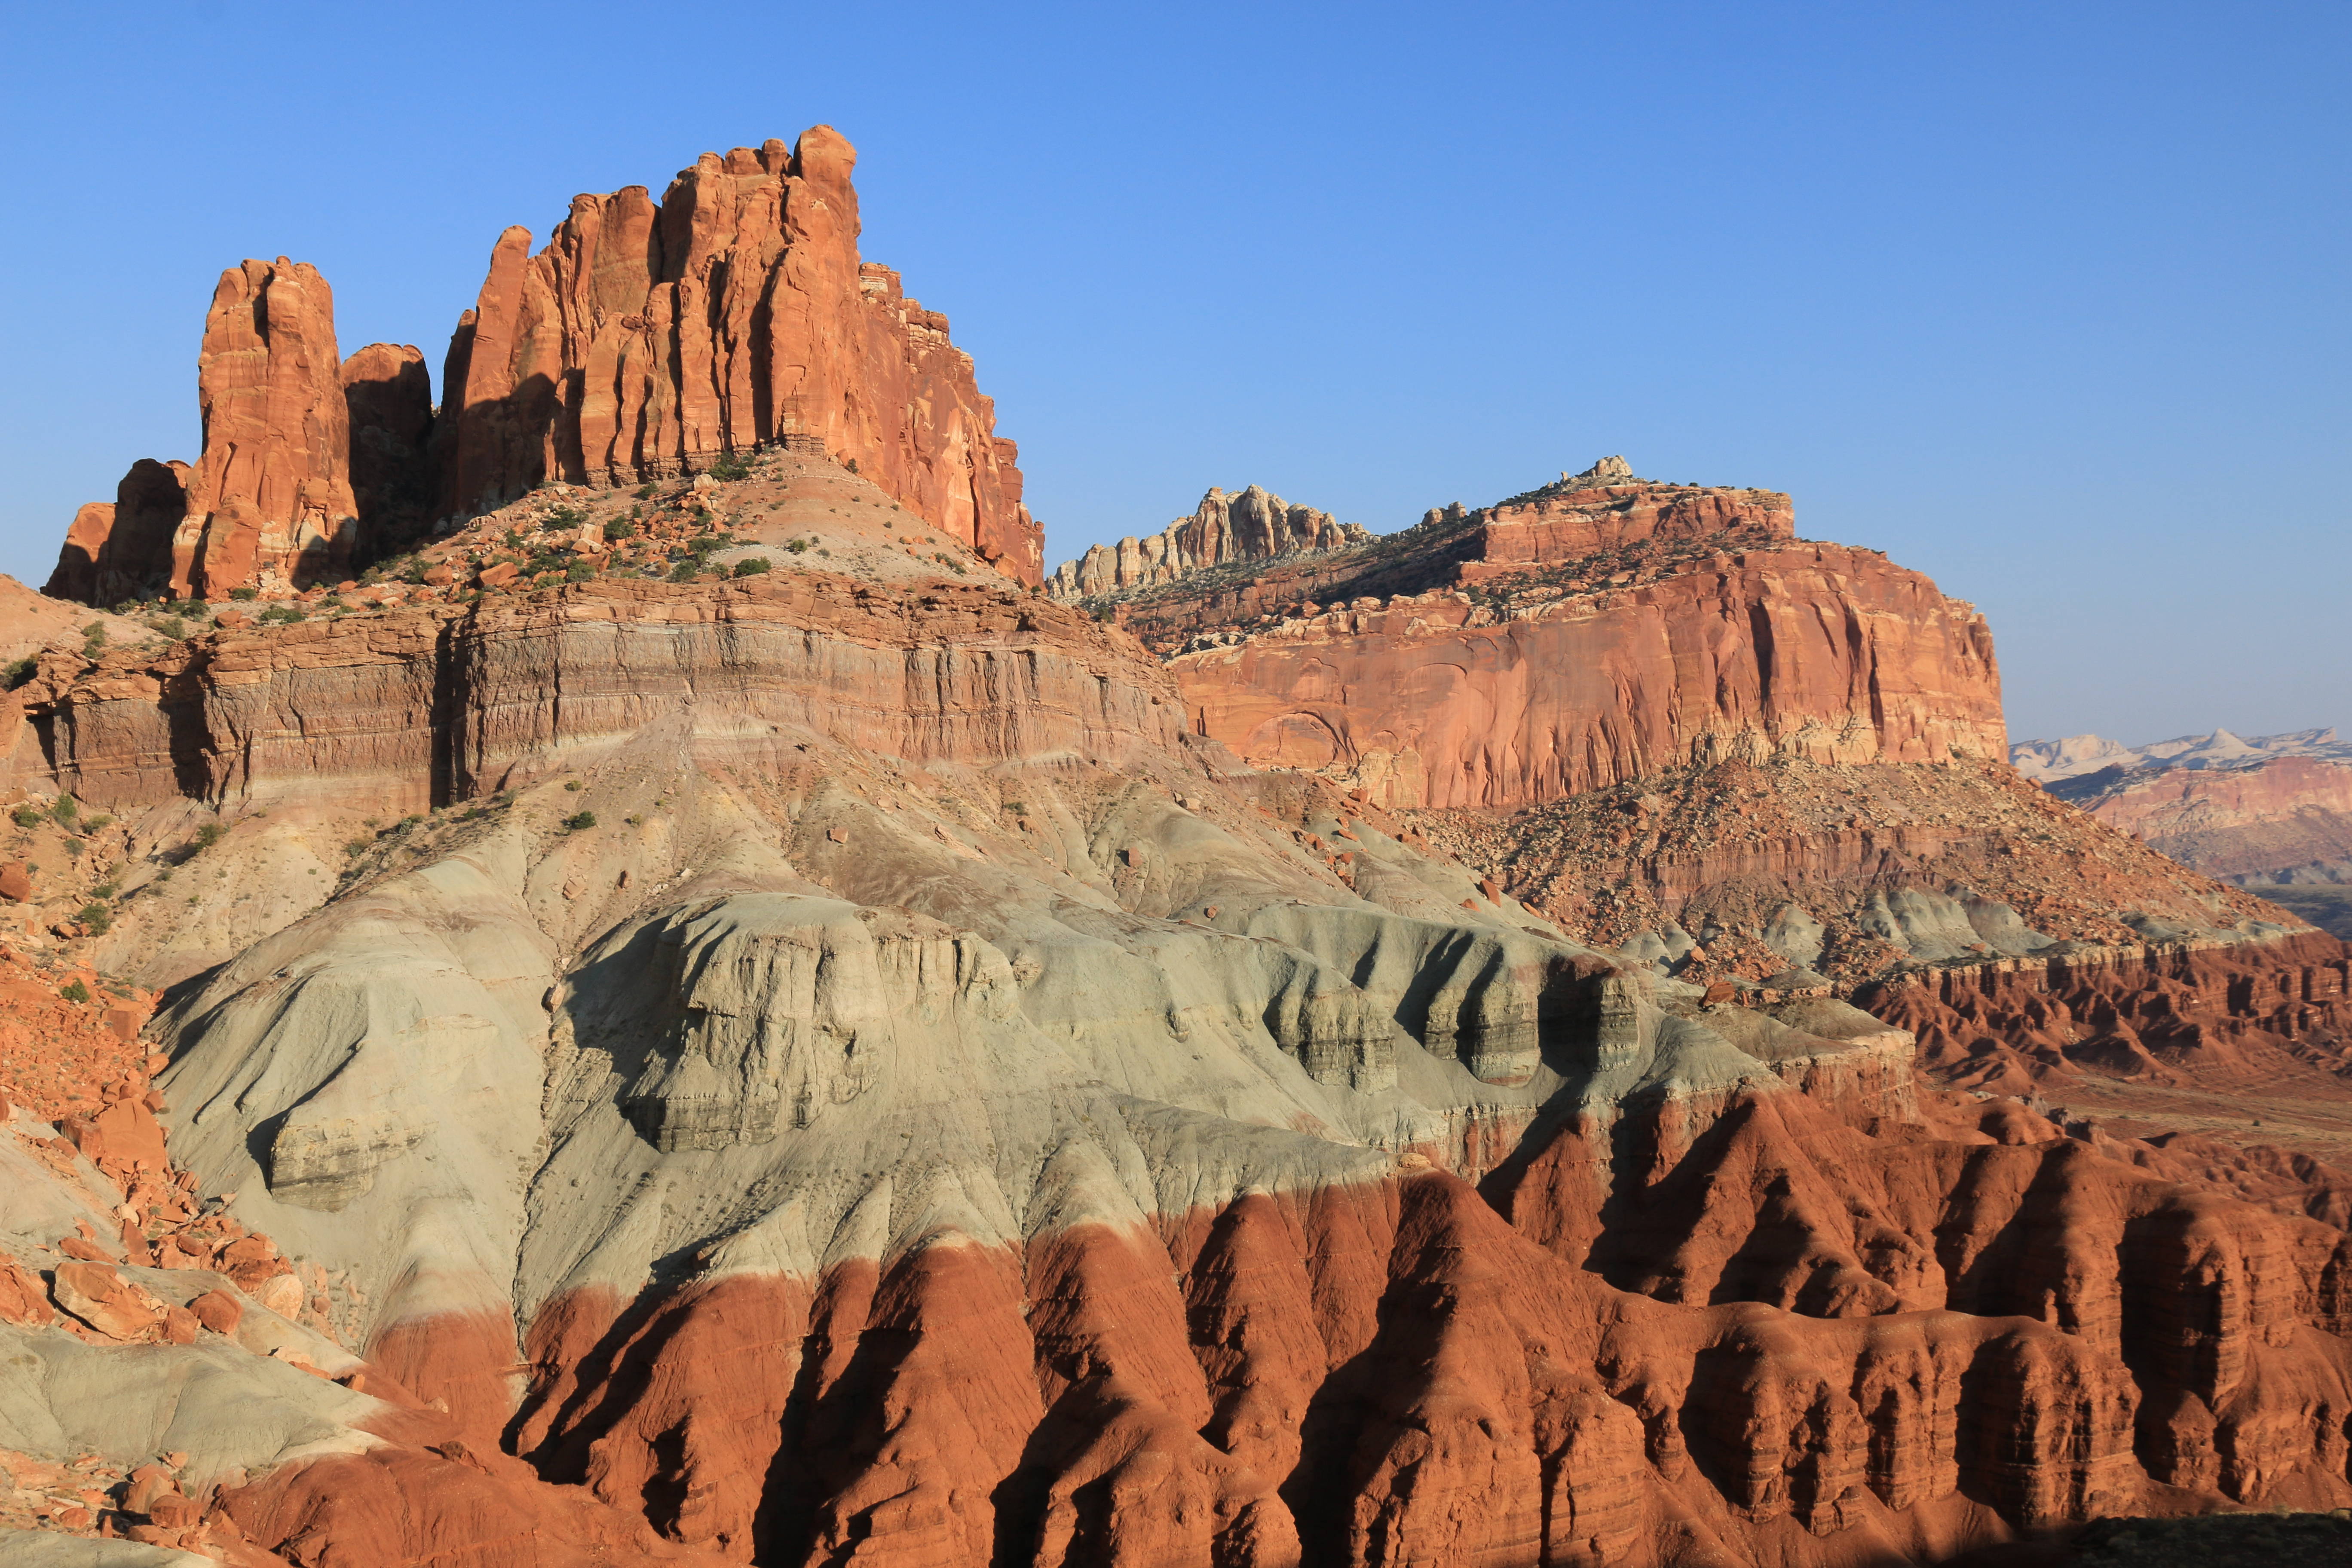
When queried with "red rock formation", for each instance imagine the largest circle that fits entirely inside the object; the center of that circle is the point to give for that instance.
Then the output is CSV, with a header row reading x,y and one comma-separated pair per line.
x,y
2264,821
1813,651
388,398
647,341
114,553
270,500
1004,675
1250,525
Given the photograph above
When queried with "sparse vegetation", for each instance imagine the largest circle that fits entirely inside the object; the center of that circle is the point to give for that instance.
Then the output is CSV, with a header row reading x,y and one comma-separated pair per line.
x,y
646,492
97,918
66,809
26,816
281,614
75,991
798,546
750,566
619,528
244,595
574,785
20,671
207,835
731,466
578,820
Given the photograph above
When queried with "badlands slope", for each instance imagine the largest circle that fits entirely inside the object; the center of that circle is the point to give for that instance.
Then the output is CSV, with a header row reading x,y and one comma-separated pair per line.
x,y
941,1110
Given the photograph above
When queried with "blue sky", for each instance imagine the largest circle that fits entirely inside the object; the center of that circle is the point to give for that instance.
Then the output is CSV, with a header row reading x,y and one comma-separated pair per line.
x,y
2048,301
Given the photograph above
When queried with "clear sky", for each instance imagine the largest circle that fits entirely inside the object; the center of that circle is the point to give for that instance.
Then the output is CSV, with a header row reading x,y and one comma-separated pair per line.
x,y
2047,300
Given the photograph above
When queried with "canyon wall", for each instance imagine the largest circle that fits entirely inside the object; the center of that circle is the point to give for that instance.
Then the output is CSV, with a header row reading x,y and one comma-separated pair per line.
x,y
2282,819
1251,525
1433,699
647,339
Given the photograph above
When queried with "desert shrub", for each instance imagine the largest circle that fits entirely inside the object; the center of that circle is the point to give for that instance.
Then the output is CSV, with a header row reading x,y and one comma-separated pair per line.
x,y
75,991
750,566
98,917
280,614
20,671
645,493
26,816
617,529
244,594
731,466
578,820
207,835
66,809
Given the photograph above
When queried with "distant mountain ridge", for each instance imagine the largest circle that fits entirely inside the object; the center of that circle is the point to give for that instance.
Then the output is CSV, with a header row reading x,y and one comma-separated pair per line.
x,y
2044,762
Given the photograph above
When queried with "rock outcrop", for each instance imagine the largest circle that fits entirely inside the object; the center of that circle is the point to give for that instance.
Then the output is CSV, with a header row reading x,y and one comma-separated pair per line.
x,y
1581,636
388,399
2268,820
1246,527
270,499
647,339
122,550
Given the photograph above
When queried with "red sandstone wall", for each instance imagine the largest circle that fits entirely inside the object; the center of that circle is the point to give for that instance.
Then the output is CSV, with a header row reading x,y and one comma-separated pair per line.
x,y
1818,651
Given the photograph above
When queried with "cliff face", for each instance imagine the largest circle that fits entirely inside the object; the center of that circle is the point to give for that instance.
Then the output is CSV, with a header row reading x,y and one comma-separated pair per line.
x,y
2283,819
272,501
1251,525
646,340
1614,633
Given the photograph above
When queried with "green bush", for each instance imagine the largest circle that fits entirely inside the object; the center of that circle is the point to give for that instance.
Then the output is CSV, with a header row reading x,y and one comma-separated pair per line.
x,y
750,566
208,835
619,528
172,626
26,816
645,493
798,546
580,572
578,820
66,809
355,848
684,571
75,991
242,593
731,466
20,671
563,517
98,917
280,614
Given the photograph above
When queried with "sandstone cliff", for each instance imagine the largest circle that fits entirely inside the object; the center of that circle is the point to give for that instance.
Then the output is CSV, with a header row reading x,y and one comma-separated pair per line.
x,y
271,502
1246,527
1579,638
647,339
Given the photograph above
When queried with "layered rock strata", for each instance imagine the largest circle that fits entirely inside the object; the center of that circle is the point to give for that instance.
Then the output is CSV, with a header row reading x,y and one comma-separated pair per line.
x,y
649,339
1575,640
913,1102
1248,526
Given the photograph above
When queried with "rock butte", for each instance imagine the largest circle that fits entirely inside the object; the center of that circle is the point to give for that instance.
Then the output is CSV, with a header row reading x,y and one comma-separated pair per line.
x,y
644,342
861,1062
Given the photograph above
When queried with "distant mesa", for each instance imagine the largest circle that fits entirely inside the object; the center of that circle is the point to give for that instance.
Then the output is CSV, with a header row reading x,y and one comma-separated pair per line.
x,y
2270,811
644,341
